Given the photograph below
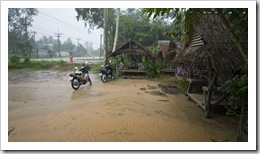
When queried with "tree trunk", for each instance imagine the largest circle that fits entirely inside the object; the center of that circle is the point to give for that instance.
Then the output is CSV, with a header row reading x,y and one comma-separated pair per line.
x,y
105,35
117,27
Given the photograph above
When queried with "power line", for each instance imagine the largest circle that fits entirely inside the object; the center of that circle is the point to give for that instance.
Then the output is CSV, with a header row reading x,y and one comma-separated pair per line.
x,y
42,33
46,34
64,23
60,22
56,23
45,30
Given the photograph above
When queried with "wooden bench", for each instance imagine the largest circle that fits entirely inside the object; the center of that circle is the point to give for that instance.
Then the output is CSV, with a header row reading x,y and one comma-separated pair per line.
x,y
169,70
132,72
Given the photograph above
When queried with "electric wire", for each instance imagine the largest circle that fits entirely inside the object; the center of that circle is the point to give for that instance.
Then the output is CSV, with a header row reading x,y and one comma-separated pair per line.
x,y
62,24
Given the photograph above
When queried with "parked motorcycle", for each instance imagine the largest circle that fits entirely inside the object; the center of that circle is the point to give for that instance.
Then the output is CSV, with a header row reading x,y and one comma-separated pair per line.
x,y
106,73
77,78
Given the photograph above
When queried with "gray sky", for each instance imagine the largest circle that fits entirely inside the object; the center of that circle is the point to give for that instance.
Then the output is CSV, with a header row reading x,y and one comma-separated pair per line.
x,y
51,21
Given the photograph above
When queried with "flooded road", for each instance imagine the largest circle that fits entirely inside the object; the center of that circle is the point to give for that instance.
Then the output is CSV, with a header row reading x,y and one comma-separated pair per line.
x,y
42,106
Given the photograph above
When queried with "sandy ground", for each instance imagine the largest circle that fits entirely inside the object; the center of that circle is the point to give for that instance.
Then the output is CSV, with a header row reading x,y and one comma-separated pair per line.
x,y
42,106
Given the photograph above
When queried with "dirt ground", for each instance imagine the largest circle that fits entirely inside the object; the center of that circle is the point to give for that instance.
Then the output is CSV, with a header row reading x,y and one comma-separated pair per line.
x,y
42,107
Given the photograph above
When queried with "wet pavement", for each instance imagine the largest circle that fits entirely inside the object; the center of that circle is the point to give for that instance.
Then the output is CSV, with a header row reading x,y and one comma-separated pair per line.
x,y
42,106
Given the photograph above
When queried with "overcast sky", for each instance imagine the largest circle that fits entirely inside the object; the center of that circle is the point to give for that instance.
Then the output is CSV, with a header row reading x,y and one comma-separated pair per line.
x,y
51,21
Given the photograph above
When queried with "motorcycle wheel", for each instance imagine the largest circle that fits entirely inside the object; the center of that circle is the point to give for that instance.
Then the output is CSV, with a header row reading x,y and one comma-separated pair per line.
x,y
103,78
75,84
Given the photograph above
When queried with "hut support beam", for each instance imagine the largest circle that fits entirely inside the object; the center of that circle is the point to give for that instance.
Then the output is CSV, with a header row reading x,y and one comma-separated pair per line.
x,y
210,84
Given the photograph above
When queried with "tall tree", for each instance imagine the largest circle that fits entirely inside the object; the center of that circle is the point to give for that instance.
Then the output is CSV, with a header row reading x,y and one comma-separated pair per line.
x,y
19,19
68,45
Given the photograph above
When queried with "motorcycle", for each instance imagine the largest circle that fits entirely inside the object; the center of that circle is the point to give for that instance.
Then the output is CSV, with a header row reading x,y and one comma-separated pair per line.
x,y
106,73
77,78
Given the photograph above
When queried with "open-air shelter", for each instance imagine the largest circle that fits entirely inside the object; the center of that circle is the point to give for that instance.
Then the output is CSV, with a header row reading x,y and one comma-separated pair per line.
x,y
132,49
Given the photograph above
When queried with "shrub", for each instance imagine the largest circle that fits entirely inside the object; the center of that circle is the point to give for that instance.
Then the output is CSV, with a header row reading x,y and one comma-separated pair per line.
x,y
237,90
96,67
152,68
184,83
27,60
14,59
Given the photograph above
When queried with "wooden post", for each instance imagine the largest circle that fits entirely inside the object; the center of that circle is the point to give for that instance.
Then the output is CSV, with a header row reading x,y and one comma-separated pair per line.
x,y
116,71
208,98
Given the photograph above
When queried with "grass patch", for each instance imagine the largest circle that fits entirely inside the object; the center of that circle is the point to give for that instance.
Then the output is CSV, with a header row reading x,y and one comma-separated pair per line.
x,y
54,65
37,65
96,67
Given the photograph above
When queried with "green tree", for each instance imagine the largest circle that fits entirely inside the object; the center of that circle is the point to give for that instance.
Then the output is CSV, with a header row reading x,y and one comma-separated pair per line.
x,y
68,45
44,42
19,19
143,30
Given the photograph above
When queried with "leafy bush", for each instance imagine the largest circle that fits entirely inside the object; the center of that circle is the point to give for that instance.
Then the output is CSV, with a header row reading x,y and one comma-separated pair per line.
x,y
152,68
237,90
27,60
14,59
184,83
96,67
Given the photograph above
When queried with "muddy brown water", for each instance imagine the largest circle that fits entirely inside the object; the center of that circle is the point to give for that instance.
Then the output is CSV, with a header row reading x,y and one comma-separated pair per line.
x,y
42,106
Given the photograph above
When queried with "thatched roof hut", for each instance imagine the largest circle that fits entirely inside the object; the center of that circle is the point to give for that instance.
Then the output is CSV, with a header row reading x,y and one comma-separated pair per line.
x,y
211,45
169,49
210,42
132,48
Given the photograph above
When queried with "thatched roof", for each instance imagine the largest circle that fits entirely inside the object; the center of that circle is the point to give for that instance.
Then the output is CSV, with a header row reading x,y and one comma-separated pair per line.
x,y
210,41
164,46
132,48
169,49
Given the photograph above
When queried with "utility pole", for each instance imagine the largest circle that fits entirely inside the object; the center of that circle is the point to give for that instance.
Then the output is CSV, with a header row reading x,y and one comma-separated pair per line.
x,y
105,35
58,35
91,48
87,43
100,46
78,44
34,44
